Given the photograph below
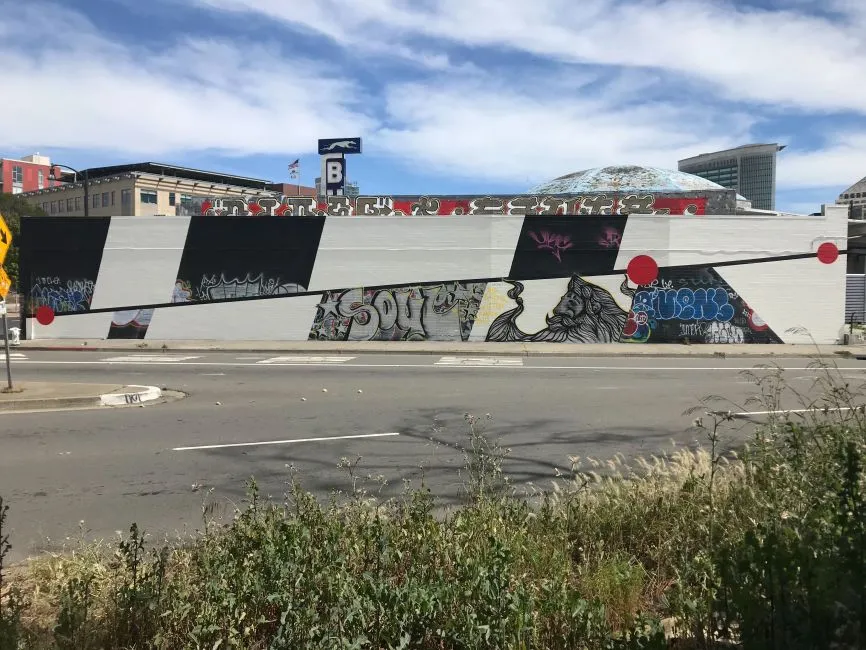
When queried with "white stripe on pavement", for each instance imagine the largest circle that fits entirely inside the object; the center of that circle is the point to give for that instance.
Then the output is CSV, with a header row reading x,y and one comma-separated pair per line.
x,y
286,442
478,362
149,358
745,414
306,359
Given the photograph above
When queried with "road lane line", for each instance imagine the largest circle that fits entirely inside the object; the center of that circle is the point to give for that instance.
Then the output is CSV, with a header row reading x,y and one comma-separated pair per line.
x,y
149,358
745,414
305,360
286,442
478,362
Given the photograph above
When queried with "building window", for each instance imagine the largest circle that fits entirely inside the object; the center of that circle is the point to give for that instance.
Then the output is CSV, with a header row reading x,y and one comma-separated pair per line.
x,y
95,202
126,202
53,207
148,197
171,198
60,205
69,204
45,207
78,204
105,199
41,179
17,174
112,197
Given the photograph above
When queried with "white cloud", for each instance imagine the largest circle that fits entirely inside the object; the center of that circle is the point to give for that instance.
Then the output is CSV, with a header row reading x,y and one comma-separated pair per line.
x,y
91,93
842,162
492,131
770,56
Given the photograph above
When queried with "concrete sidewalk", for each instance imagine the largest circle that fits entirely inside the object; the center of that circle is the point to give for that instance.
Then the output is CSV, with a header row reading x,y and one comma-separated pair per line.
x,y
40,396
449,348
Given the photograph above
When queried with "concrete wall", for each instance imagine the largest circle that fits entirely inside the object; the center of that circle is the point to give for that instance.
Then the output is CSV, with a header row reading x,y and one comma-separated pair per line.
x,y
721,278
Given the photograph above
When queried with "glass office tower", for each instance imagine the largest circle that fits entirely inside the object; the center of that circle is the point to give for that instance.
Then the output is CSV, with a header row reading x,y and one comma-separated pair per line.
x,y
750,170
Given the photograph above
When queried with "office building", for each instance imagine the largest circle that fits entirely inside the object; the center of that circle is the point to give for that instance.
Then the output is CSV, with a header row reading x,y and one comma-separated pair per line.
x,y
144,189
855,198
27,174
750,170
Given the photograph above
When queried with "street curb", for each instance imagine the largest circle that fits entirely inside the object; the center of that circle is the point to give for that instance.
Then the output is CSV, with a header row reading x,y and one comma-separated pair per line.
x,y
143,395
580,351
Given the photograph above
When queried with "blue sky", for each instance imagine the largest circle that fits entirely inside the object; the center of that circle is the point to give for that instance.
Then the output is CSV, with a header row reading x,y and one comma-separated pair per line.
x,y
450,96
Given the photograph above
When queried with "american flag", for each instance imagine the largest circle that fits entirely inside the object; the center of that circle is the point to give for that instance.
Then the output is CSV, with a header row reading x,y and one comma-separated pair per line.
x,y
294,168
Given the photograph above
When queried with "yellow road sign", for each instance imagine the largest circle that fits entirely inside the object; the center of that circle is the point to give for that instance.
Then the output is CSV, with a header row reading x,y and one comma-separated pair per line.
x,y
5,283
5,239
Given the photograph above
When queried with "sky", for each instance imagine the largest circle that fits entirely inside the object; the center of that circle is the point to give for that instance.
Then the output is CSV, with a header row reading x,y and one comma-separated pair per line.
x,y
449,96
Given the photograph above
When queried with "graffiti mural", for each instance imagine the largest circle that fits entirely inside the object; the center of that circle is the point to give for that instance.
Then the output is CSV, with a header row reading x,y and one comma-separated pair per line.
x,y
130,324
444,312
61,296
586,313
219,287
372,206
694,305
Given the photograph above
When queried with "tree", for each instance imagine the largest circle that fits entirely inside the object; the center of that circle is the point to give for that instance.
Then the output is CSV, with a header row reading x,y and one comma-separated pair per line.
x,y
13,207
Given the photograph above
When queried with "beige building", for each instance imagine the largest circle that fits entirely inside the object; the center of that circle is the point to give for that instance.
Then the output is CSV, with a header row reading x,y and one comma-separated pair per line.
x,y
143,189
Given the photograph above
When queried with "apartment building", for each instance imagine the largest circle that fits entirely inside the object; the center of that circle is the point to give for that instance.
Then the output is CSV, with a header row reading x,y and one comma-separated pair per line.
x,y
142,189
27,174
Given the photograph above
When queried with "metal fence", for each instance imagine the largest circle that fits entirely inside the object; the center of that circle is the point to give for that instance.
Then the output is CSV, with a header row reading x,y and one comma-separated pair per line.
x,y
855,298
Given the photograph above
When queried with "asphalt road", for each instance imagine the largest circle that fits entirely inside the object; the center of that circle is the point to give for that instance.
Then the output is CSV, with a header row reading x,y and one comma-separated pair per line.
x,y
111,467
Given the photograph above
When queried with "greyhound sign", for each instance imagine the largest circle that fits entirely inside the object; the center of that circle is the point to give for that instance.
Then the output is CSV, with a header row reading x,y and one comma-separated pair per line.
x,y
333,152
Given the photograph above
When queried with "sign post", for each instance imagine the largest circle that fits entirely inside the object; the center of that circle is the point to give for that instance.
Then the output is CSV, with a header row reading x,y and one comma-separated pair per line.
x,y
6,345
333,152
5,285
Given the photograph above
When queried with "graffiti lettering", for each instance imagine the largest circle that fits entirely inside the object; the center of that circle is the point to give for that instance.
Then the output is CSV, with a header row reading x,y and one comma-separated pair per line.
x,y
430,206
374,205
685,304
221,288
71,296
441,312
552,242
610,238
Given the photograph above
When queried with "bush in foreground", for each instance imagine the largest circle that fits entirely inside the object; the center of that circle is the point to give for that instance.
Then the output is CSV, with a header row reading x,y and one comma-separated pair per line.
x,y
764,550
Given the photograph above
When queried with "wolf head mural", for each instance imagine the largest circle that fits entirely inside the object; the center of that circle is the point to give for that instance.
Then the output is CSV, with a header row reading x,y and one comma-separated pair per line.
x,y
586,313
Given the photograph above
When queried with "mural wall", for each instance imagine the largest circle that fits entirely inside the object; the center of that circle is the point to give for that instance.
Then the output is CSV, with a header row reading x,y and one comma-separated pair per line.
x,y
606,278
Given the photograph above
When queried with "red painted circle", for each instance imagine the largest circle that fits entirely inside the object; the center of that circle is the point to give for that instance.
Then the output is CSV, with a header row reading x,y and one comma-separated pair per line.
x,y
828,253
642,269
45,315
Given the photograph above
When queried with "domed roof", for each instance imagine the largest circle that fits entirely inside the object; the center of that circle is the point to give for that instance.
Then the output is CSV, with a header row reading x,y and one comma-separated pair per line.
x,y
625,178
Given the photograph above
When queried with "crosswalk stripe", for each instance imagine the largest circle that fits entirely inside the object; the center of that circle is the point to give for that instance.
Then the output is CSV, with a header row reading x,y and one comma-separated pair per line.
x,y
301,360
146,358
476,362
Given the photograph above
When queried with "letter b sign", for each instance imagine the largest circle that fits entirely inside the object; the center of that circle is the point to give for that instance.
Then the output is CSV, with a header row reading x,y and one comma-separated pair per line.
x,y
335,175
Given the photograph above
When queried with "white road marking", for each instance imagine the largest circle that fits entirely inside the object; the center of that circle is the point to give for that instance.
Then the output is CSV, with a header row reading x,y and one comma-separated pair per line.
x,y
17,355
479,362
149,358
286,442
305,360
745,414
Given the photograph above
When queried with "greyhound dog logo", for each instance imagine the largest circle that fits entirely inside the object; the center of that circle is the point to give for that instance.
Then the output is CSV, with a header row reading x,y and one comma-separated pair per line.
x,y
342,144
